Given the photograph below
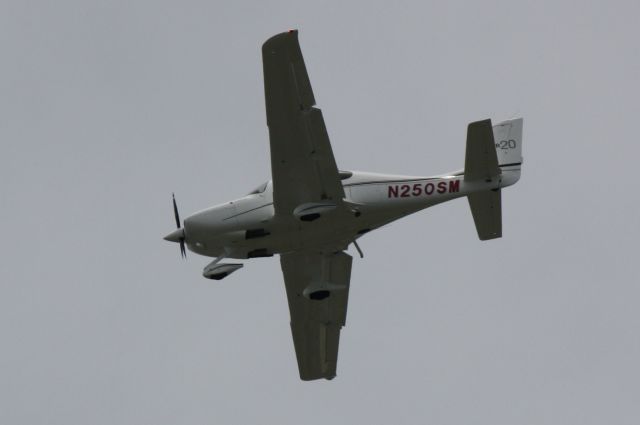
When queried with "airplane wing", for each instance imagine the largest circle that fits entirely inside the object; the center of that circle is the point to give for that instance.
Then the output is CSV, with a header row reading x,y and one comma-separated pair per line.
x,y
302,163
315,324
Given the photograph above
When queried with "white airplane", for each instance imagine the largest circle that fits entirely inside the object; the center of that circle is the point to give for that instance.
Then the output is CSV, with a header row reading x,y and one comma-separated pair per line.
x,y
310,212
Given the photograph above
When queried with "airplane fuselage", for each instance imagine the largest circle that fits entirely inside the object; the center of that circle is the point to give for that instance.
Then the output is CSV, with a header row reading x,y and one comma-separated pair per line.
x,y
248,228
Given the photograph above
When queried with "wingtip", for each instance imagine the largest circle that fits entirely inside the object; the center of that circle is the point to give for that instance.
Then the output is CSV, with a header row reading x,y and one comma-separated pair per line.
x,y
280,38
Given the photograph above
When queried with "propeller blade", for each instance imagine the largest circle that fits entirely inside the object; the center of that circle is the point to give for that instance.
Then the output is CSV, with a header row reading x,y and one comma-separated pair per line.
x,y
175,211
177,235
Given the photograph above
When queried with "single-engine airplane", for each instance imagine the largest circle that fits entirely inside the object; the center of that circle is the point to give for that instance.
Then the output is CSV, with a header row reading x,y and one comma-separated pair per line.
x,y
310,212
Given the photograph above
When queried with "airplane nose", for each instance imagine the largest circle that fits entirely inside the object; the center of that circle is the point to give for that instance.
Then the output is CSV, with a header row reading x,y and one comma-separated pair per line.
x,y
175,236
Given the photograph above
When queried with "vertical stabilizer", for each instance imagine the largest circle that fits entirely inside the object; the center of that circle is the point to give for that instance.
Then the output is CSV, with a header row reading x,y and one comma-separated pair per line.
x,y
508,141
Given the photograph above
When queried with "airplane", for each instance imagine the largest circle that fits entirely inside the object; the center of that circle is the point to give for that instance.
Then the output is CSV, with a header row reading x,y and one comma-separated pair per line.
x,y
310,212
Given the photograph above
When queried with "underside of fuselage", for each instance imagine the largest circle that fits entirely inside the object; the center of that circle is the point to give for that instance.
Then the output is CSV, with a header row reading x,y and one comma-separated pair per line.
x,y
332,231
248,227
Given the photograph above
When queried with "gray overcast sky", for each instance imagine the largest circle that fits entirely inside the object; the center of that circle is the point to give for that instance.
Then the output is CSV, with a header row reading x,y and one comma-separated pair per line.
x,y
106,107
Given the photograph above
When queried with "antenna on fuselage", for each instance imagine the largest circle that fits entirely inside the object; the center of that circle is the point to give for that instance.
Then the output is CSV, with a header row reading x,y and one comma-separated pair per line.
x,y
358,248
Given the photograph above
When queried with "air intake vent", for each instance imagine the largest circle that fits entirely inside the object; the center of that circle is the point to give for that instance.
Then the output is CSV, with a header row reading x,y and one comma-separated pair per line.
x,y
256,233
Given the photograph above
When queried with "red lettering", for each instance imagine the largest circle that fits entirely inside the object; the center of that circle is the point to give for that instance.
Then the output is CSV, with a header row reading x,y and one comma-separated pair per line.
x,y
406,191
429,188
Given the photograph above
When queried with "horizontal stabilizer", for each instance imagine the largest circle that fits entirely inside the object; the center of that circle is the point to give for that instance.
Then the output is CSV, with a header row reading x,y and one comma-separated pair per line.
x,y
481,160
486,208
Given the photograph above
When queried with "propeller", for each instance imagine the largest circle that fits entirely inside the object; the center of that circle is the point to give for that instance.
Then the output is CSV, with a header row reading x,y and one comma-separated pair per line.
x,y
178,235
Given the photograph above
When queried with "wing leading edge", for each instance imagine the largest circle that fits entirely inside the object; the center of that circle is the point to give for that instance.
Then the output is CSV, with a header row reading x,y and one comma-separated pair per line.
x,y
316,324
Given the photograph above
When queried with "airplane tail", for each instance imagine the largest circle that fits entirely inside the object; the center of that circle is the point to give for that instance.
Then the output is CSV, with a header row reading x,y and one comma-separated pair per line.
x,y
493,152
